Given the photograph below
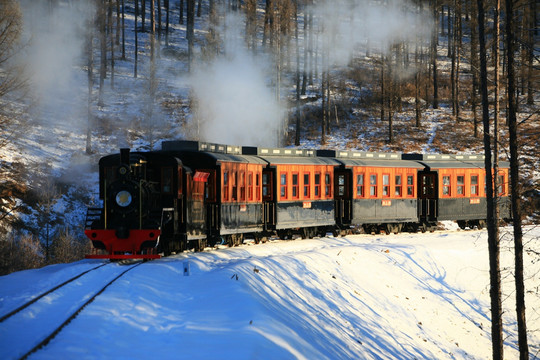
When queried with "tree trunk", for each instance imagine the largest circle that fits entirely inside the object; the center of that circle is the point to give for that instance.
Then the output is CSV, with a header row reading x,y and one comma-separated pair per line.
x,y
90,65
136,60
324,100
123,31
383,88
143,14
514,174
530,51
190,30
493,236
297,133
474,67
159,18
111,39
167,19
434,61
458,45
103,50
181,12
452,54
268,27
496,25
418,110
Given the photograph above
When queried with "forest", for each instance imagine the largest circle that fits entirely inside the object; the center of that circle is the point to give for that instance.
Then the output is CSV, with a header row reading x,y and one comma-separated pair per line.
x,y
81,78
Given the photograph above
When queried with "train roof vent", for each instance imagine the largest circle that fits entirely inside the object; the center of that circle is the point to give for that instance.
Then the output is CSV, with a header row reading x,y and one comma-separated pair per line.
x,y
189,145
262,151
442,157
344,154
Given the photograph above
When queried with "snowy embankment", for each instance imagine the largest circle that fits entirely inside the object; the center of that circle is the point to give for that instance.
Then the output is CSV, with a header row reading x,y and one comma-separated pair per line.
x,y
402,296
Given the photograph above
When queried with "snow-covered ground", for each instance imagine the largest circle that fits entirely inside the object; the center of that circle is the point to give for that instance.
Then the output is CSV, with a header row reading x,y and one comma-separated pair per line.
x,y
407,296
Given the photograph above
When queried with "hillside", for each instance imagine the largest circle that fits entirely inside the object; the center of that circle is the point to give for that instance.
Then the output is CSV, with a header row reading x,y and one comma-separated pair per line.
x,y
229,96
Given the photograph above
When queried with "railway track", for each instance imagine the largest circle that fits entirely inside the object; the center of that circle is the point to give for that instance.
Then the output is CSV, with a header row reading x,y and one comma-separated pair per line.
x,y
46,311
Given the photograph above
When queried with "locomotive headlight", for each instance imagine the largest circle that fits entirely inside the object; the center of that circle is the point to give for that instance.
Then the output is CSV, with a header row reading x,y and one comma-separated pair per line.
x,y
123,198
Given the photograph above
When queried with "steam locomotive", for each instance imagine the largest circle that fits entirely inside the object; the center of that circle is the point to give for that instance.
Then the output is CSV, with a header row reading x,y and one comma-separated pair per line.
x,y
191,194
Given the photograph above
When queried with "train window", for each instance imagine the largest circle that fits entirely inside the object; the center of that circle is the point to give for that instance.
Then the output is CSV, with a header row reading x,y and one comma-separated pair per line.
x,y
501,185
306,186
267,186
166,180
461,185
234,184
398,191
341,185
258,187
410,185
474,185
318,185
225,186
328,185
446,190
250,186
283,185
428,185
386,185
295,186
242,186
360,185
373,185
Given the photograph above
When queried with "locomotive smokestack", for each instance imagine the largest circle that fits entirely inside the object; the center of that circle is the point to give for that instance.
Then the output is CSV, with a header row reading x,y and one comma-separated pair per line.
x,y
124,156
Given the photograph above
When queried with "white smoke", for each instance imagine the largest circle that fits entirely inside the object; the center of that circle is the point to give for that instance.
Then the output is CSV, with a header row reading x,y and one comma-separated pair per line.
x,y
234,102
347,26
56,37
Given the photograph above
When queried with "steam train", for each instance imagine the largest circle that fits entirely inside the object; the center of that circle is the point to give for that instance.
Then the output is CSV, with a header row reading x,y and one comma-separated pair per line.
x,y
191,194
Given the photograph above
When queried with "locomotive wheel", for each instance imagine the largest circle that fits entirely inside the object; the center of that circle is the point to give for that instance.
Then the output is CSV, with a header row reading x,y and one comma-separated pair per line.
x,y
393,228
200,245
462,224
309,233
413,227
284,234
257,238
235,239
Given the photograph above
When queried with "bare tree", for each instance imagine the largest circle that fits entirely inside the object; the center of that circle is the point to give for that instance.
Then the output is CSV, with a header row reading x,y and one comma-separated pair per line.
x,y
474,66
190,30
251,24
298,114
12,77
493,229
48,194
136,60
102,24
434,41
514,174
20,253
268,27
67,248
90,75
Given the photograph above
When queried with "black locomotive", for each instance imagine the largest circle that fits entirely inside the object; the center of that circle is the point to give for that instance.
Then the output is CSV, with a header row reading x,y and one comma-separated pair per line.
x,y
194,194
